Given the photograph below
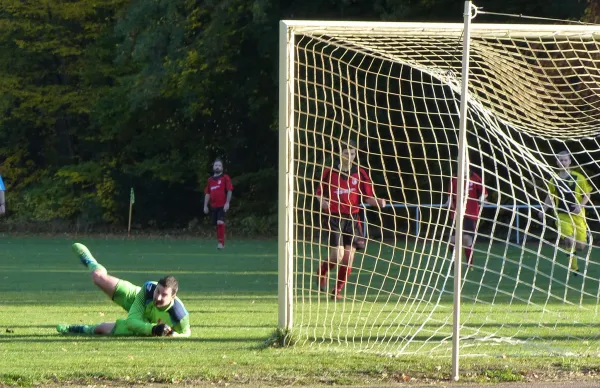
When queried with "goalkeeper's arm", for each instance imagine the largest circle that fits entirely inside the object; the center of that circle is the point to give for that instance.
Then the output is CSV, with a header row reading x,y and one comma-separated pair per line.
x,y
547,203
136,322
183,328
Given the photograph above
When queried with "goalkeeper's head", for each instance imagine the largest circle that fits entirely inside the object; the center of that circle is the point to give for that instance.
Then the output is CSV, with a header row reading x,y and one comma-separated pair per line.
x,y
563,159
165,291
347,153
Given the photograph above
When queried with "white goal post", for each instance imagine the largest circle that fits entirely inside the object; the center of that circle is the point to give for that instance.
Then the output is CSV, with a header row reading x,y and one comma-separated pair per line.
x,y
395,90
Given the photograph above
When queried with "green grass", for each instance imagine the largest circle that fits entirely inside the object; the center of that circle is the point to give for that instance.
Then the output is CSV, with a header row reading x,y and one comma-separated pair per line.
x,y
232,300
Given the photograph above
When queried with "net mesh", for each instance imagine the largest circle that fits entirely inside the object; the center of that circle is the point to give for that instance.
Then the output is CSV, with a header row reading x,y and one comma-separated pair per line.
x,y
396,92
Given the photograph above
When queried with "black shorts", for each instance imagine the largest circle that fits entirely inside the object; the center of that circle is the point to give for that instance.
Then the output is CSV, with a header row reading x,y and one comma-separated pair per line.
x,y
468,226
345,230
217,214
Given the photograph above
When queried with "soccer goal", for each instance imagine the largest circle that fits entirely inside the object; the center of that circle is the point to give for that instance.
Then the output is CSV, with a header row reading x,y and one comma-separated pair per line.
x,y
395,90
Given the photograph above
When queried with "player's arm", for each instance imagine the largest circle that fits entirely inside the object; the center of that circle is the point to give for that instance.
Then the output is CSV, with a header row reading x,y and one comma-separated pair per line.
x,y
184,329
135,319
451,196
322,189
324,202
2,203
586,189
483,191
206,198
229,188
375,202
548,203
585,199
2,197
368,192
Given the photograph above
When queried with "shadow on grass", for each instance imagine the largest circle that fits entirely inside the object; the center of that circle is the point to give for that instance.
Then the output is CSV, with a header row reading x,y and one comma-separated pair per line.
x,y
70,337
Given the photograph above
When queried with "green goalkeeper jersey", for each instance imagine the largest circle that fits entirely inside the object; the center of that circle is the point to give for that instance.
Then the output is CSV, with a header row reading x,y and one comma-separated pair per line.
x,y
143,314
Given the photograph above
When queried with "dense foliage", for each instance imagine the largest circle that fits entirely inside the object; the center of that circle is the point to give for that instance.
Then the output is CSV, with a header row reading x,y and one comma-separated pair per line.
x,y
97,96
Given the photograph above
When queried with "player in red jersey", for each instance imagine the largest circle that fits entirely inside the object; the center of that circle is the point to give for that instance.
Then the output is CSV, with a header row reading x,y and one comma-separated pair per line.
x,y
476,193
218,193
339,192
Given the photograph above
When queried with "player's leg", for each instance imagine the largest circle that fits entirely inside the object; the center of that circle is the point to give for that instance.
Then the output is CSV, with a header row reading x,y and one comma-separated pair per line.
x,y
335,256
581,237
217,215
336,251
468,239
468,248
353,240
221,228
120,291
344,271
105,328
566,230
100,276
581,233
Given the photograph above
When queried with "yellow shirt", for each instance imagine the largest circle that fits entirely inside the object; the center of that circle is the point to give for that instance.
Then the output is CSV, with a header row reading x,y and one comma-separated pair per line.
x,y
568,192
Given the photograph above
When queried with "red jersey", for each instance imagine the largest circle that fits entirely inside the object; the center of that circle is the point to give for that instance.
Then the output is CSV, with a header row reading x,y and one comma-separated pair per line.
x,y
217,187
343,190
474,194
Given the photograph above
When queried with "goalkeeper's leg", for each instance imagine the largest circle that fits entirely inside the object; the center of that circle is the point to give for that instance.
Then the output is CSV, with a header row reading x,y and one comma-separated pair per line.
x,y
120,291
100,276
566,228
580,243
105,328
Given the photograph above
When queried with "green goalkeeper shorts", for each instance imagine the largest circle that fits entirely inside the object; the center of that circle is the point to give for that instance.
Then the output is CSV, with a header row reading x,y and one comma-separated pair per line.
x,y
121,328
125,294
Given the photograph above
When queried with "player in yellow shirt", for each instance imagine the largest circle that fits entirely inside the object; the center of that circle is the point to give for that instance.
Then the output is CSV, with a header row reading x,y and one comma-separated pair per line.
x,y
569,193
153,310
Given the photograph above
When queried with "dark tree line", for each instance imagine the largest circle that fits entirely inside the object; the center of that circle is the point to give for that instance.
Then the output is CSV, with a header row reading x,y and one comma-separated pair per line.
x,y
97,96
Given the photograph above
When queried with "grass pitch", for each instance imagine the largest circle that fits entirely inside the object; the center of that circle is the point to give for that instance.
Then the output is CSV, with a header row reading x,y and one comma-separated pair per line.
x,y
232,299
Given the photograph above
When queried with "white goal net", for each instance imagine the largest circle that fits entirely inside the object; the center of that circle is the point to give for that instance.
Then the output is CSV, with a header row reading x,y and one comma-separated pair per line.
x,y
394,90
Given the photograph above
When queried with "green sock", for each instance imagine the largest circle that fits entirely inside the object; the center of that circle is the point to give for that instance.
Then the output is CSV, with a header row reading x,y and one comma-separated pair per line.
x,y
573,265
86,258
76,329
88,329
95,265
573,262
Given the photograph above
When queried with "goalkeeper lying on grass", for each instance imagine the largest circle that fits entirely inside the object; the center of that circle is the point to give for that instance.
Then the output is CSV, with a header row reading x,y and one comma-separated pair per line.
x,y
153,310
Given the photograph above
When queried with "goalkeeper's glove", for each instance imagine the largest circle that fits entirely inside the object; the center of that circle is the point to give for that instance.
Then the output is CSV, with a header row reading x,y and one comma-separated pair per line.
x,y
161,330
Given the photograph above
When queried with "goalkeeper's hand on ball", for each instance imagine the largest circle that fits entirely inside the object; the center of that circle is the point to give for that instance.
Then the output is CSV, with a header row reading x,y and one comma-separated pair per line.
x,y
161,330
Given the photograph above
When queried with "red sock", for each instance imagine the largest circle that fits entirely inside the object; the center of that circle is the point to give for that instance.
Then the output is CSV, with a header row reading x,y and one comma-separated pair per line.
x,y
221,233
469,254
343,273
325,267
